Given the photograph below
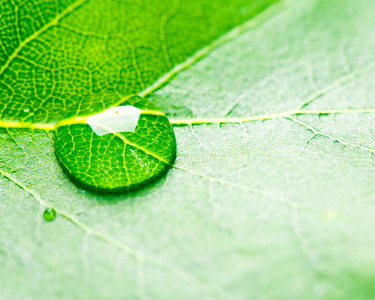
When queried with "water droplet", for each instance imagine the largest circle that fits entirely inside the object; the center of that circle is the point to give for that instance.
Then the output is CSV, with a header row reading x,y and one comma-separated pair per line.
x,y
49,214
118,149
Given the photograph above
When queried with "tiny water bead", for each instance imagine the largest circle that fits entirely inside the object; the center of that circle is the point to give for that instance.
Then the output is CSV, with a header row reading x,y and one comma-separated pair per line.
x,y
49,214
117,149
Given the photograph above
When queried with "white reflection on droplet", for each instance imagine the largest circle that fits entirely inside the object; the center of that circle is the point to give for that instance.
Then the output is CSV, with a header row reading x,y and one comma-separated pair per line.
x,y
115,119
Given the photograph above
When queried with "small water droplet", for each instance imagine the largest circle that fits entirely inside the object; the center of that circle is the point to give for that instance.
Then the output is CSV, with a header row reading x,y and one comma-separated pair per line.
x,y
26,109
49,214
118,149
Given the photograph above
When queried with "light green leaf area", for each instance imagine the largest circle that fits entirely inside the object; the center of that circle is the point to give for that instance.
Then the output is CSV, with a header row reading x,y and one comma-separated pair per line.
x,y
271,195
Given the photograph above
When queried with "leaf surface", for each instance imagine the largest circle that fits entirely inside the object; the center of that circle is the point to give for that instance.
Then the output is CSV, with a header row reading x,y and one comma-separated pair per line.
x,y
271,195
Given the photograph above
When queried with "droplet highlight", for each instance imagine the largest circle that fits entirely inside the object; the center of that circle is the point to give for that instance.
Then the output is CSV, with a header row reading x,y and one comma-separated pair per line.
x,y
115,119
49,214
118,149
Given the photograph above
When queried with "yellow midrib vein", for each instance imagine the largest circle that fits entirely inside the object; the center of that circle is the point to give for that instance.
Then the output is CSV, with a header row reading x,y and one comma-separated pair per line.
x,y
226,120
83,120
187,122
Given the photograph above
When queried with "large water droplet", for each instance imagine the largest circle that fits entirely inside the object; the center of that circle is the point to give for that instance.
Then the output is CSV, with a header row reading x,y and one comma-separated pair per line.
x,y
118,149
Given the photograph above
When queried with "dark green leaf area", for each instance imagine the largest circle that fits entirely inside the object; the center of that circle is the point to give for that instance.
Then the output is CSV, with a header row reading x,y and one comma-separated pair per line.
x,y
120,149
53,54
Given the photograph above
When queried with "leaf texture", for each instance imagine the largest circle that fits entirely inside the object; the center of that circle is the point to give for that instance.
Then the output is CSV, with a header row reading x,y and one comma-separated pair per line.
x,y
271,195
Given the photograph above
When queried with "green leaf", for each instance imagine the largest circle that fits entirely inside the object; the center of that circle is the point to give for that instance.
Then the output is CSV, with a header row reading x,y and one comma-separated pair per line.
x,y
54,54
271,195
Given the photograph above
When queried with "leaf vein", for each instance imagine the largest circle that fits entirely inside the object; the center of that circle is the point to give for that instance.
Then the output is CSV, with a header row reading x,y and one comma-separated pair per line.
x,y
37,33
